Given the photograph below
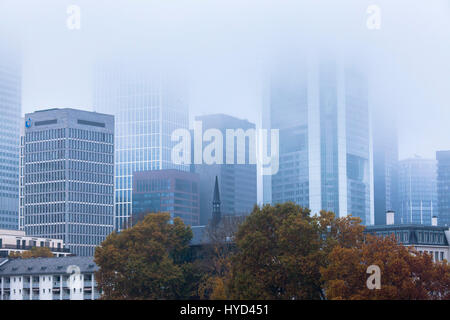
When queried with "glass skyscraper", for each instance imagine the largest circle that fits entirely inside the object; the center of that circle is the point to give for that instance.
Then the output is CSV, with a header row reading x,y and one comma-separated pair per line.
x,y
148,105
443,187
10,109
321,109
417,191
69,177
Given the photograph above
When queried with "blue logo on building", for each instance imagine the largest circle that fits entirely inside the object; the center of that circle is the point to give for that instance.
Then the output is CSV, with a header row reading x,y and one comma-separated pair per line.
x,y
28,123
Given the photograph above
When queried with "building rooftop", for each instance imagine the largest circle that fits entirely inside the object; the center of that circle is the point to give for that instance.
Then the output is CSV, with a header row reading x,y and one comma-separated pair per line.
x,y
35,266
413,234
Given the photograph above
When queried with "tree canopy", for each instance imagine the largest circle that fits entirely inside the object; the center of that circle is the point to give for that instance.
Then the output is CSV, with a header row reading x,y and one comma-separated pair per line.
x,y
405,273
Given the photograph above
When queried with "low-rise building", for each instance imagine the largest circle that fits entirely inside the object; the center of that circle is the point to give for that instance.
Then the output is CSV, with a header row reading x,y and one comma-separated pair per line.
x,y
63,278
17,241
434,239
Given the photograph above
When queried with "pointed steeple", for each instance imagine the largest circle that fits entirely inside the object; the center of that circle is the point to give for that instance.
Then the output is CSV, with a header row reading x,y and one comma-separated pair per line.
x,y
216,214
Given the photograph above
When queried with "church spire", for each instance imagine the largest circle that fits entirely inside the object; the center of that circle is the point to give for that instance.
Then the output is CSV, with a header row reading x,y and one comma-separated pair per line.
x,y
216,214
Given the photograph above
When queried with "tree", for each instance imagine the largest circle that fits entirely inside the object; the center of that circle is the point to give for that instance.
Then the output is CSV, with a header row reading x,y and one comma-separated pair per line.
x,y
147,261
281,249
215,256
35,252
405,273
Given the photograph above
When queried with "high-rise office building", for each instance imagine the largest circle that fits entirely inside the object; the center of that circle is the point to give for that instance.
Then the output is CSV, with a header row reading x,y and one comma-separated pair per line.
x,y
173,191
148,105
237,181
10,109
443,187
22,177
69,177
417,192
321,109
385,162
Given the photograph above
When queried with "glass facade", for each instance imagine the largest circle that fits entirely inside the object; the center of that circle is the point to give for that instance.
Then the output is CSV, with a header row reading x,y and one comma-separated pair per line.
x,y
443,187
69,177
322,112
417,191
173,191
10,104
148,106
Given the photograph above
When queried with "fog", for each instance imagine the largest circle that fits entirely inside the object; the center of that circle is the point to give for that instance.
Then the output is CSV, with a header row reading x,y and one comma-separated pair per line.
x,y
226,46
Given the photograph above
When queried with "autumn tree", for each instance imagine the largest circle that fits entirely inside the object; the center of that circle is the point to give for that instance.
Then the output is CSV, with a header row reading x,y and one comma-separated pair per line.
x,y
215,256
35,252
148,261
405,273
281,249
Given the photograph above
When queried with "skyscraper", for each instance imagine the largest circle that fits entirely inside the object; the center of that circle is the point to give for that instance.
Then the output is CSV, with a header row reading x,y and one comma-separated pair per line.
x,y
237,182
321,109
148,105
69,177
443,187
417,191
10,109
385,162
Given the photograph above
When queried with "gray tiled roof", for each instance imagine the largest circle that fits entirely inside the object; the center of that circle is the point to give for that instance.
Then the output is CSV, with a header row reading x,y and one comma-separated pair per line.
x,y
35,266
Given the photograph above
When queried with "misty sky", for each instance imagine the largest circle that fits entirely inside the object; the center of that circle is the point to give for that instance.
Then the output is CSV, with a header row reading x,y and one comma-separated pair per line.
x,y
226,46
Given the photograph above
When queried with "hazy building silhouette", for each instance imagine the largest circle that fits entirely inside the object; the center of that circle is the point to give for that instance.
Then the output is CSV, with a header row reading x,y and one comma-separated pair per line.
x,y
417,191
385,162
321,109
10,116
237,182
148,105
443,187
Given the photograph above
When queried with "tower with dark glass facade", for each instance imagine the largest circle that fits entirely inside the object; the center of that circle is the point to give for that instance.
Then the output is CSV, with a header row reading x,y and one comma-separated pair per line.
x,y
173,191
69,177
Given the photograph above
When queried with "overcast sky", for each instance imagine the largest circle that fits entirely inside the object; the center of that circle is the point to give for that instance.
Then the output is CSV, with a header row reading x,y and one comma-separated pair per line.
x,y
226,44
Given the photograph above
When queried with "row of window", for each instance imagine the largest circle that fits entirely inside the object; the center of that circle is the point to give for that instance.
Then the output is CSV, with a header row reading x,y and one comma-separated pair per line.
x,y
91,156
45,135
